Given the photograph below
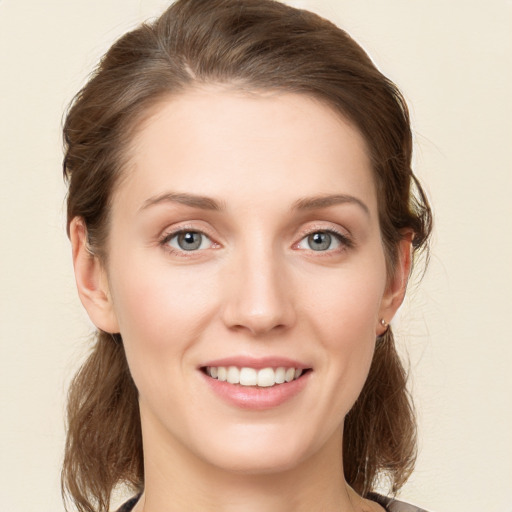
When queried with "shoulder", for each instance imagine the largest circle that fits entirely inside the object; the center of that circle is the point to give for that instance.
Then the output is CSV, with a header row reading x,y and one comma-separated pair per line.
x,y
394,505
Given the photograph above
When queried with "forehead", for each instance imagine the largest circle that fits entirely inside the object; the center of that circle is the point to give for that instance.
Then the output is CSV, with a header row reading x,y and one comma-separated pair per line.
x,y
237,145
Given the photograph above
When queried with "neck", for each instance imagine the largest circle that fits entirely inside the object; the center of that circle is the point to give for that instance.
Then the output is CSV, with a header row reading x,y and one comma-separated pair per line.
x,y
176,481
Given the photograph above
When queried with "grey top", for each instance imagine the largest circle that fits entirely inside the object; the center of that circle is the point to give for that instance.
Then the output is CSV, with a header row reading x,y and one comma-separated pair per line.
x,y
390,504
393,505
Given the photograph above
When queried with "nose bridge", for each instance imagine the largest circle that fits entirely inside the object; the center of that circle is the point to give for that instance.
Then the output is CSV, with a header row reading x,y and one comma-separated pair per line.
x,y
259,299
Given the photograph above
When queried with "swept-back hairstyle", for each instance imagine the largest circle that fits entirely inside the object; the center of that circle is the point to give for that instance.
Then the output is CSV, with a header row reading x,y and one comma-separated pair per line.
x,y
252,45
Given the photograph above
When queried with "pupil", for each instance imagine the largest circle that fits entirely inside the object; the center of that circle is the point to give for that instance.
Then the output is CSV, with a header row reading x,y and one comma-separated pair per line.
x,y
319,241
189,241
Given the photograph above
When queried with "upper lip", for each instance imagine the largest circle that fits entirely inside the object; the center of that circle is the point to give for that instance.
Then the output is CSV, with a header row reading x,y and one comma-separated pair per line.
x,y
256,362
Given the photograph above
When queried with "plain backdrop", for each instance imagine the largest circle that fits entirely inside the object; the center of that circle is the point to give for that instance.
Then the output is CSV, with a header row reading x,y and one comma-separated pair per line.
x,y
452,59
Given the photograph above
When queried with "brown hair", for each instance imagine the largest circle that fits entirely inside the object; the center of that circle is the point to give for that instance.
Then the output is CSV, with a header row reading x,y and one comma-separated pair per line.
x,y
256,45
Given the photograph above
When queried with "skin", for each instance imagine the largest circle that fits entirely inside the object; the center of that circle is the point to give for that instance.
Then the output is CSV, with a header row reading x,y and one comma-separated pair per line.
x,y
255,287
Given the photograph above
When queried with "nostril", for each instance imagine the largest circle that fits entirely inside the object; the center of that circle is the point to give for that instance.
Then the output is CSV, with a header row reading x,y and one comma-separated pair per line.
x,y
259,326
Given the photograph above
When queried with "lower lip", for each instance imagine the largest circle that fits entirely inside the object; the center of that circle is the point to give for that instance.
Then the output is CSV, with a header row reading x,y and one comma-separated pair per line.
x,y
257,398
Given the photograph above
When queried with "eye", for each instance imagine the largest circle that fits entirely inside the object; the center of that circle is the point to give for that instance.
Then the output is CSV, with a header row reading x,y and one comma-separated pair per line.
x,y
322,241
188,241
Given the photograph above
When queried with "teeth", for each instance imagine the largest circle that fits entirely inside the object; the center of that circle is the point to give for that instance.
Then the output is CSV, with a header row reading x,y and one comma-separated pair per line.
x,y
233,375
248,377
280,375
221,373
266,377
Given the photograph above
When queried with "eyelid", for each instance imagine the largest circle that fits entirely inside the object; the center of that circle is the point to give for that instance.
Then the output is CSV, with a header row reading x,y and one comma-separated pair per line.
x,y
204,239
342,236
169,233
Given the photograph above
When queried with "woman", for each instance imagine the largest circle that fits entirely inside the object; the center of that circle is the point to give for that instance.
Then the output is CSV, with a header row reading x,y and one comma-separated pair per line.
x,y
243,218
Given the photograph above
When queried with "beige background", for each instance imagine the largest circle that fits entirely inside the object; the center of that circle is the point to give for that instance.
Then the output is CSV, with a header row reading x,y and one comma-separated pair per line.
x,y
452,58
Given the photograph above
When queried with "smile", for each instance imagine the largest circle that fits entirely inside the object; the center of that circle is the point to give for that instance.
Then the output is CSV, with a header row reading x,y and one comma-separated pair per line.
x,y
245,376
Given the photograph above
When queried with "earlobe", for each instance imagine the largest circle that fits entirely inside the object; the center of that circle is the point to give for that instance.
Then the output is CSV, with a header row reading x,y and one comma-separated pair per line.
x,y
397,285
91,280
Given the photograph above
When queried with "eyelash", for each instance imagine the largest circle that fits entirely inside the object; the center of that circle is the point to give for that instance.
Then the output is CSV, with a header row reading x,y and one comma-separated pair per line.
x,y
344,241
164,242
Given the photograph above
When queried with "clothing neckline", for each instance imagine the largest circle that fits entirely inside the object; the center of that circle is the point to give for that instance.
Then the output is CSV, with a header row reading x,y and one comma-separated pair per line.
x,y
130,504
389,504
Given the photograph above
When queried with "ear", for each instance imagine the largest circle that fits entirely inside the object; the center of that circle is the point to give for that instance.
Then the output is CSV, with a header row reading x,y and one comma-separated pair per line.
x,y
91,280
397,283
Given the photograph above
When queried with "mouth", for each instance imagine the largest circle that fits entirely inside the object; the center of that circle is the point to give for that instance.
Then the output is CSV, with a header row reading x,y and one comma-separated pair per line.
x,y
252,377
256,383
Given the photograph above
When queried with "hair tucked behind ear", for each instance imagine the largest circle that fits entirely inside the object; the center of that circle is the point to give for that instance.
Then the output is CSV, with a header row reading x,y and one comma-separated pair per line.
x,y
104,441
250,45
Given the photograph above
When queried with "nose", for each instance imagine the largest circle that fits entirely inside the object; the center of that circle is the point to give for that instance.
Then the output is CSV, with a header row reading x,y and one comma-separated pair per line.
x,y
258,293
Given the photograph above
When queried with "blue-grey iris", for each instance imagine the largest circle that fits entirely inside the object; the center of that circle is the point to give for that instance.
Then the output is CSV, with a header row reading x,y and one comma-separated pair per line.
x,y
319,241
189,240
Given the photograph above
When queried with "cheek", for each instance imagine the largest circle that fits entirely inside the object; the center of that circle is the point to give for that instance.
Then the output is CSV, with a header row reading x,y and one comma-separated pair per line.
x,y
347,303
160,314
346,316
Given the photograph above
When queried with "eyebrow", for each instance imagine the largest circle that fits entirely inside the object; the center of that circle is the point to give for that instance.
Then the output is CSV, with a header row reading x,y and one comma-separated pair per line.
x,y
192,200
208,203
324,201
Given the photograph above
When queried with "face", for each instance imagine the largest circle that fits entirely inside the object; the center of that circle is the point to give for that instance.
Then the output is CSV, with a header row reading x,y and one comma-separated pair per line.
x,y
244,245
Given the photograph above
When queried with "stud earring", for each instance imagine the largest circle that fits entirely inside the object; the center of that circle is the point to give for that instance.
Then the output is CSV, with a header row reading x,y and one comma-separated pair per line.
x,y
384,323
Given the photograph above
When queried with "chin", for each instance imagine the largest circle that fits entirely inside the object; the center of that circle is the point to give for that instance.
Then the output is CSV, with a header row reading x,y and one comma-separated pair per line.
x,y
261,463
258,451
